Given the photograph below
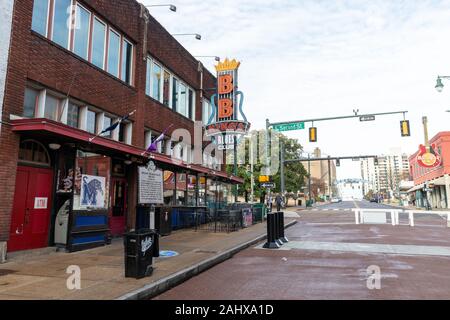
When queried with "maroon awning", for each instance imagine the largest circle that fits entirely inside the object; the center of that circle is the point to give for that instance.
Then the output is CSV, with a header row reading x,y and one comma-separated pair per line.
x,y
46,126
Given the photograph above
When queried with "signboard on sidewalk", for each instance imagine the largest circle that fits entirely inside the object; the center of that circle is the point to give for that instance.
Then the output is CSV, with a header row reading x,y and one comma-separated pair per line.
x,y
150,185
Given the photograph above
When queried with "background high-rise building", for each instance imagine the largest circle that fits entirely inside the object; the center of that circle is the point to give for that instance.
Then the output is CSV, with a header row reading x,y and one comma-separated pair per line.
x,y
385,176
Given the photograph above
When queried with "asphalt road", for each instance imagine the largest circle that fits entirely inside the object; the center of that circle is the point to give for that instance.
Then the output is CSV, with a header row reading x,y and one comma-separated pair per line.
x,y
330,257
354,204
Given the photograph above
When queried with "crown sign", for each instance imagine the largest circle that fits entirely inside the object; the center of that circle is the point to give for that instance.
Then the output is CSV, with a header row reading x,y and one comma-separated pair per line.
x,y
228,65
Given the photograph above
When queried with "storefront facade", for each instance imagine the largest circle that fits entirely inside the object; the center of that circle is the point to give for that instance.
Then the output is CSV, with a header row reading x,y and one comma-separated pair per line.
x,y
432,185
62,182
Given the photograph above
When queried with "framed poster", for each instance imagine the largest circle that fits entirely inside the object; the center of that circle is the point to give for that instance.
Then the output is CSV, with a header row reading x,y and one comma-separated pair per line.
x,y
150,185
92,194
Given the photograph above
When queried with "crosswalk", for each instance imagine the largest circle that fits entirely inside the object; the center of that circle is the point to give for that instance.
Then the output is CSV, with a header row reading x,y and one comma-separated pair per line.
x,y
325,209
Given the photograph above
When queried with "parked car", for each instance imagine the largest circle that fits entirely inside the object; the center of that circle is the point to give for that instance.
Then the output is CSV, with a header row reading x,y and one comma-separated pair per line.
x,y
336,200
374,199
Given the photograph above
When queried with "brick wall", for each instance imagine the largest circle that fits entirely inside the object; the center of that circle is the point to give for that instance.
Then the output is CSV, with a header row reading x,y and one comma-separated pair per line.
x,y
37,59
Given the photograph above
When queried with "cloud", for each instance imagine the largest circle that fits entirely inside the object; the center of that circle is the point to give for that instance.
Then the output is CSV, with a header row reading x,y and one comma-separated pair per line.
x,y
304,59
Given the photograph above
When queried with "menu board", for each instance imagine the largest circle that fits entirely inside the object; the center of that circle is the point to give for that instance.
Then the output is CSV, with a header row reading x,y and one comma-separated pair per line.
x,y
150,186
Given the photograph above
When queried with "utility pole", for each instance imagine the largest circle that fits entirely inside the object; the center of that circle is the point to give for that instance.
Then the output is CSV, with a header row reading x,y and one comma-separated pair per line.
x,y
330,192
283,186
252,178
309,177
235,168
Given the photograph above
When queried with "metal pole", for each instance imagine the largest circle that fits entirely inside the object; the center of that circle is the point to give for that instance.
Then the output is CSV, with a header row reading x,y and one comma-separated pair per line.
x,y
283,187
235,169
252,178
330,192
309,177
268,124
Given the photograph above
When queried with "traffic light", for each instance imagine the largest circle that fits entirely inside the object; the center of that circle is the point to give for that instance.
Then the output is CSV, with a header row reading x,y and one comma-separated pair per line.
x,y
404,125
313,134
338,162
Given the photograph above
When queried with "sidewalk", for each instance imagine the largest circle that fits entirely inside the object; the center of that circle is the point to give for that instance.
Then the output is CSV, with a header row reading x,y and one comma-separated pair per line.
x,y
102,269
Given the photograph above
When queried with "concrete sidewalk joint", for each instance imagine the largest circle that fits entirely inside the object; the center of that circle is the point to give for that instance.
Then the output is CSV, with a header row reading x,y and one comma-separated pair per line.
x,y
153,289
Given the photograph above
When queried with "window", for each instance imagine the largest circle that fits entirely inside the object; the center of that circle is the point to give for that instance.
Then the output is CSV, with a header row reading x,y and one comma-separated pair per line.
x,y
127,60
182,103
107,121
91,122
61,20
206,112
81,33
52,105
73,113
191,108
113,53
166,88
148,77
156,82
98,43
30,102
34,152
175,94
40,16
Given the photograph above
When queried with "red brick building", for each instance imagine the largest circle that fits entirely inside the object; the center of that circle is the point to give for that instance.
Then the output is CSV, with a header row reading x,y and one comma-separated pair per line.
x,y
436,180
75,67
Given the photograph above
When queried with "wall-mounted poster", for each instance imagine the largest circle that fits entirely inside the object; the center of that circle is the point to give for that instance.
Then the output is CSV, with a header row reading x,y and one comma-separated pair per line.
x,y
92,194
150,185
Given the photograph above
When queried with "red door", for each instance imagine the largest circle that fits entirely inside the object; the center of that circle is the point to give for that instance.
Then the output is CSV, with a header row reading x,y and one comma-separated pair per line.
x,y
117,221
31,209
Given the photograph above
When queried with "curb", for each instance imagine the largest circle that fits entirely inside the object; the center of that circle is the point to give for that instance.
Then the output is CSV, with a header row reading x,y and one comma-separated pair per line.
x,y
151,290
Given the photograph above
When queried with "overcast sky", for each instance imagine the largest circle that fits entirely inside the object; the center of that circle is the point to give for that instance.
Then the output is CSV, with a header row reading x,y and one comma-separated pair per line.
x,y
311,59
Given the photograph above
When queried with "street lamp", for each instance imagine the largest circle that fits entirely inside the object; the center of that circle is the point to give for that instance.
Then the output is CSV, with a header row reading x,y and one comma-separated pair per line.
x,y
439,85
171,6
215,57
197,36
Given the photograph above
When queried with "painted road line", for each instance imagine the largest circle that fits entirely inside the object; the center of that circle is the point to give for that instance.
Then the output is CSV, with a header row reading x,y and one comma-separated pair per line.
x,y
412,250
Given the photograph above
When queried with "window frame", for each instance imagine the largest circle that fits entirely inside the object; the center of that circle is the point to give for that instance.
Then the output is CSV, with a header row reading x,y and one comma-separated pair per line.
x,y
93,18
47,20
51,30
122,47
77,5
119,56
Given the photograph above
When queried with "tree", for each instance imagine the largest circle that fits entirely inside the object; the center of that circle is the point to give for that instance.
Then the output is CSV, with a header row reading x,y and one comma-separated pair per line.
x,y
294,172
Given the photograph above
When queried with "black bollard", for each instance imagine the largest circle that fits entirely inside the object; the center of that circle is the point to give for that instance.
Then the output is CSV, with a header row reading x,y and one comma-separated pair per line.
x,y
277,229
271,241
281,227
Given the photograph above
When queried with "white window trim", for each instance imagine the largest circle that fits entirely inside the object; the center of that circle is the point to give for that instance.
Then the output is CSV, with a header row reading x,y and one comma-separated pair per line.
x,y
112,30
104,41
147,138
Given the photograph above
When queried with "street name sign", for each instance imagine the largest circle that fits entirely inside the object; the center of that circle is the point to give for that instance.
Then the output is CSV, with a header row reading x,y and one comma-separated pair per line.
x,y
367,118
289,126
268,185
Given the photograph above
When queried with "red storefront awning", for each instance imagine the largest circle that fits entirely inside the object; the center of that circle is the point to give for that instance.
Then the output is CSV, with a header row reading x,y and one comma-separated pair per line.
x,y
50,127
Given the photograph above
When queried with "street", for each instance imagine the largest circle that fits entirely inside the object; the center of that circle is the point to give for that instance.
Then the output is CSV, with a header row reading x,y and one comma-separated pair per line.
x,y
330,257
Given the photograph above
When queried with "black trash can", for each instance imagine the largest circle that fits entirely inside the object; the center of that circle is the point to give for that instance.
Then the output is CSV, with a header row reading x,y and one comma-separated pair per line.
x,y
140,248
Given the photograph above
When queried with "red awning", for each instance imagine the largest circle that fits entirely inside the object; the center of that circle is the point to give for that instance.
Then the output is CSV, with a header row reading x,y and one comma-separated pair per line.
x,y
47,126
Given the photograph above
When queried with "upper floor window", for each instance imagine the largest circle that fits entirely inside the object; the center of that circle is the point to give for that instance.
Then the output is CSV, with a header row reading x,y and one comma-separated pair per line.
x,y
40,14
113,53
98,43
91,122
52,108
156,82
73,114
85,36
166,88
81,32
127,60
206,112
30,103
175,84
107,121
61,22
